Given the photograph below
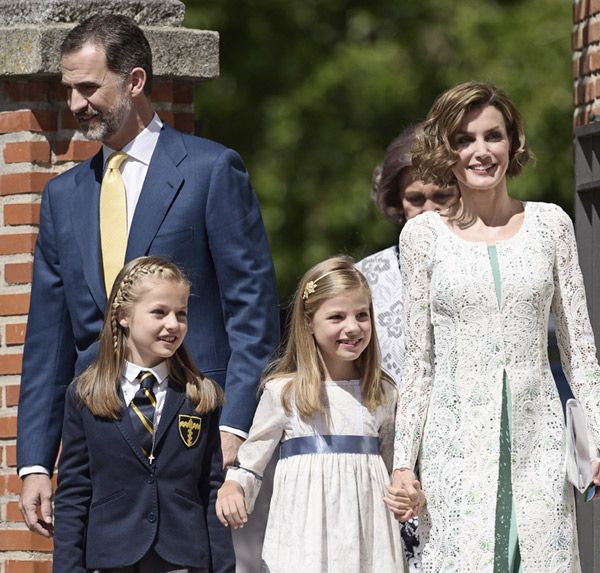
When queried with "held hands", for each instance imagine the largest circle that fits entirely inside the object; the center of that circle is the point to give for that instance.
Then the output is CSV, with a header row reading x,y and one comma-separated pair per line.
x,y
404,497
231,505
36,493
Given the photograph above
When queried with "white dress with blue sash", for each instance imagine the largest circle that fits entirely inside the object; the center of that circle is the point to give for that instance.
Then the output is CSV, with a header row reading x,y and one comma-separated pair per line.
x,y
327,512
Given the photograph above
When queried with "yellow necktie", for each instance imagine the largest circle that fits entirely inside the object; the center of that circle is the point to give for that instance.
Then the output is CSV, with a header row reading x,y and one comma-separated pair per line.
x,y
113,219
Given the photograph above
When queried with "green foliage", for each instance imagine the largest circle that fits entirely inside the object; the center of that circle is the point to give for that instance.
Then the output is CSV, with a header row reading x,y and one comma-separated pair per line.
x,y
312,92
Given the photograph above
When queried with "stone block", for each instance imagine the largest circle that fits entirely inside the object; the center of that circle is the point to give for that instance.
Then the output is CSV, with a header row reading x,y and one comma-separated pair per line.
x,y
178,53
144,12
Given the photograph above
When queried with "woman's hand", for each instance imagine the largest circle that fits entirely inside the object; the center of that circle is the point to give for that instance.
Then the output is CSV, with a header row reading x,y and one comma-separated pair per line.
x,y
231,505
404,497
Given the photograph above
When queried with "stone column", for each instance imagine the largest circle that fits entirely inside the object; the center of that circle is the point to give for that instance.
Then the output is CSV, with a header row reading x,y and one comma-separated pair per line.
x,y
38,139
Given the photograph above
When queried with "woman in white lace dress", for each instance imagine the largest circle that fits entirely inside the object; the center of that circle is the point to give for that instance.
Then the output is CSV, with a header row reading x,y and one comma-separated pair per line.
x,y
399,195
479,410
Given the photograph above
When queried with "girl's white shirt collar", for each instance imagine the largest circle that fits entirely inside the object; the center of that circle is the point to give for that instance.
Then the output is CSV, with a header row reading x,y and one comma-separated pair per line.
x,y
131,371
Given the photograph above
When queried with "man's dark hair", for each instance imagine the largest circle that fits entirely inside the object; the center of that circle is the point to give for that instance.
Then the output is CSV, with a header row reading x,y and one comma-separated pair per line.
x,y
121,38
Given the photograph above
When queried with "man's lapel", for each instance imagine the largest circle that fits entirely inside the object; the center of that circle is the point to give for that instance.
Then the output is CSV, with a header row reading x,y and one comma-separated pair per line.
x,y
163,181
85,216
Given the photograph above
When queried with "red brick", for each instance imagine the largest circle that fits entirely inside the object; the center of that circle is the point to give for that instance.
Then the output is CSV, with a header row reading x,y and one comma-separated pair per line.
x,y
12,395
23,540
162,91
167,117
27,152
13,304
67,120
11,363
22,214
17,243
12,512
31,182
10,484
185,122
18,273
57,92
183,93
577,67
27,120
8,427
75,150
577,36
27,91
593,33
11,456
15,333
29,567
593,62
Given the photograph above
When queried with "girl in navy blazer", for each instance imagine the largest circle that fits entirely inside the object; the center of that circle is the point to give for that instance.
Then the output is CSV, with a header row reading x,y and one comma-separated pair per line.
x,y
141,458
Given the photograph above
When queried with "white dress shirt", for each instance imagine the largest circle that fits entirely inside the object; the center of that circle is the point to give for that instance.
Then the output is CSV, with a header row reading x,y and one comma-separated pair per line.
x,y
134,169
130,385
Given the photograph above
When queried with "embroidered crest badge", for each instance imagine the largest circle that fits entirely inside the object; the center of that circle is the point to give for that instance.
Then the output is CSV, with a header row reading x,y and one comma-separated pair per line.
x,y
189,429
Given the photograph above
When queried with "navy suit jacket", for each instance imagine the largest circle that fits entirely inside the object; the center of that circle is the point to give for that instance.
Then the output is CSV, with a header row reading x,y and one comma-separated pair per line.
x,y
112,505
197,208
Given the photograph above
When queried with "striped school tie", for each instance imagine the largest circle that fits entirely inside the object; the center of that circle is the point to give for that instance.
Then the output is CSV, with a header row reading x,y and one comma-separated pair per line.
x,y
141,411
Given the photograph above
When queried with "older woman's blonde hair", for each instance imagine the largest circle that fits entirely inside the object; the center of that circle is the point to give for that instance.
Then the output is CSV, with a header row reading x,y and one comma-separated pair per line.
x,y
301,361
434,152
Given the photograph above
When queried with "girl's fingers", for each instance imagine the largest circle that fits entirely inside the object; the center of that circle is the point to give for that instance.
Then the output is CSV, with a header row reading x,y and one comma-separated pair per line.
x,y
406,516
234,511
219,511
396,504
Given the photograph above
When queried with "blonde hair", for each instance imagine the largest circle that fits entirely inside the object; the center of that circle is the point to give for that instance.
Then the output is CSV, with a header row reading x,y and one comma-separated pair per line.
x,y
98,386
434,153
301,360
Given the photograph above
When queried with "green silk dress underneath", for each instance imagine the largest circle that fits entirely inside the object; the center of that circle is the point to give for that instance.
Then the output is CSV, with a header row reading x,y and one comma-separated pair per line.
x,y
507,558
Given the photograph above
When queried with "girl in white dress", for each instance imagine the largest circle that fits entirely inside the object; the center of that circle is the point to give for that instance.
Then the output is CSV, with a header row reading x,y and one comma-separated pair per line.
x,y
328,403
479,410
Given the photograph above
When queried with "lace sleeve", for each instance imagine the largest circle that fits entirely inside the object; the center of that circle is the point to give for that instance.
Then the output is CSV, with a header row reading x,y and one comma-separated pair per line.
x,y
573,330
416,246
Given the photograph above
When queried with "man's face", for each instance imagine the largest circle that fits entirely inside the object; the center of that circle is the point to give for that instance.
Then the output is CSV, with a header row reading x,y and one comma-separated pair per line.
x,y
97,96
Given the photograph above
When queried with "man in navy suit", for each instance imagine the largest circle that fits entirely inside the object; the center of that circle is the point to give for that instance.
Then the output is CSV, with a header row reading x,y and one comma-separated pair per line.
x,y
188,199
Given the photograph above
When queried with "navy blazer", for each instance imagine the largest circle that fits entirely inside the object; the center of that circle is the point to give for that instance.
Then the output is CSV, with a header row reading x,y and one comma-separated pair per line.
x,y
197,208
112,505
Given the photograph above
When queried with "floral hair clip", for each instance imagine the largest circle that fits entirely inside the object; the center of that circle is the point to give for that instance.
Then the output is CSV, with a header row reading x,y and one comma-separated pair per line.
x,y
311,286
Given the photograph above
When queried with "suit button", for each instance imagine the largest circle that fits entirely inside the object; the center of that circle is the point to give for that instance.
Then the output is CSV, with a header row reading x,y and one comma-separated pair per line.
x,y
151,517
150,479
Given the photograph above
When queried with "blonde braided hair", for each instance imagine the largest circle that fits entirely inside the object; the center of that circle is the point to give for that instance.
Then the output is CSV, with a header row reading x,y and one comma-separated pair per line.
x,y
98,385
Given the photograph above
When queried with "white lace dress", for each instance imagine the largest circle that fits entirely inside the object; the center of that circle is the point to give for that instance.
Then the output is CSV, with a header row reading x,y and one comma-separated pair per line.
x,y
459,343
327,513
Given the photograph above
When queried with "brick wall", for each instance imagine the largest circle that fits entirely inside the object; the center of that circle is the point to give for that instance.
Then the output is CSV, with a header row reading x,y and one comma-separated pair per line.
x,y
38,139
586,61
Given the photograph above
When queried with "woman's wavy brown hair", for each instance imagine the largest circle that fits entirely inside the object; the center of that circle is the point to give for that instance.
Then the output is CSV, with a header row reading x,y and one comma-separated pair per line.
x,y
434,154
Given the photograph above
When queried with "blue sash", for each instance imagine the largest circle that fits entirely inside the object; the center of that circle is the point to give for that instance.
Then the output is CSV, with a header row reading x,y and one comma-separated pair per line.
x,y
329,445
